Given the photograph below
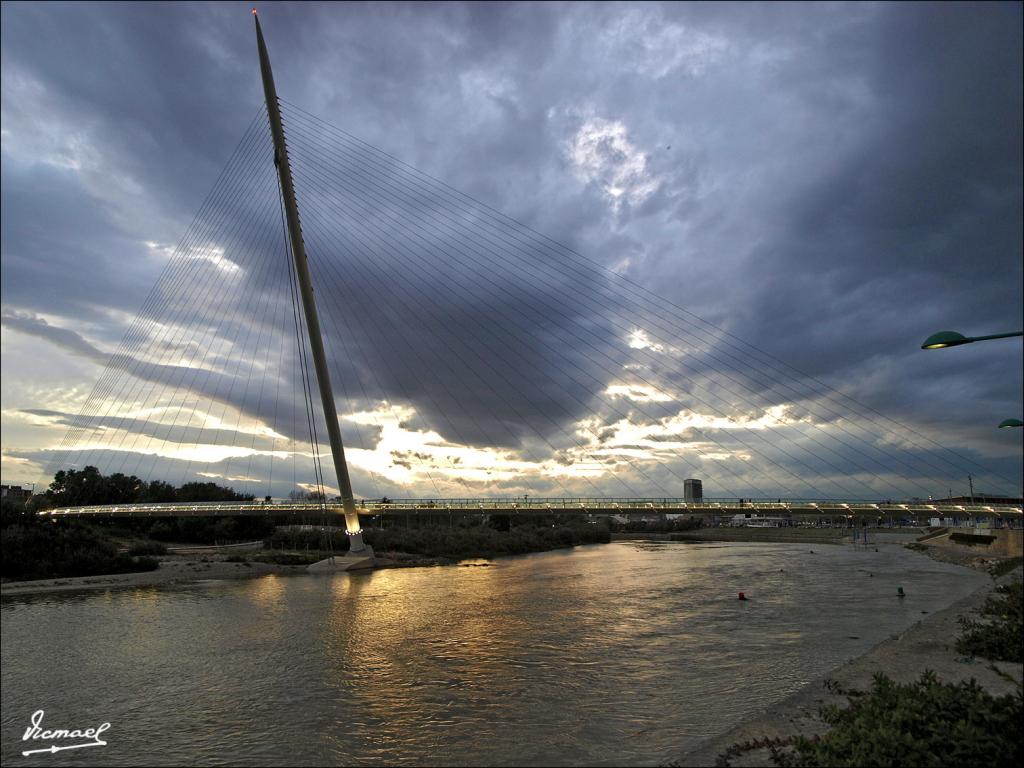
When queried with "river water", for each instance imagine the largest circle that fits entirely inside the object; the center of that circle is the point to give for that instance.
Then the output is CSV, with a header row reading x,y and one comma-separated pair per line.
x,y
626,653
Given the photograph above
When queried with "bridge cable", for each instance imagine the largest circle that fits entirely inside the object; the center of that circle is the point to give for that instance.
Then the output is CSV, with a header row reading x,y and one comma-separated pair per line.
x,y
483,205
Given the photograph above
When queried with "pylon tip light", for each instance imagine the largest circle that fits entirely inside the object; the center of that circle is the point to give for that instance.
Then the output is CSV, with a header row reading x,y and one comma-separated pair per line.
x,y
253,11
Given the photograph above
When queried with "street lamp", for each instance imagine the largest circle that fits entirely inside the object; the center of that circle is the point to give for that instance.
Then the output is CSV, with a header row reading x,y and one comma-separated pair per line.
x,y
944,339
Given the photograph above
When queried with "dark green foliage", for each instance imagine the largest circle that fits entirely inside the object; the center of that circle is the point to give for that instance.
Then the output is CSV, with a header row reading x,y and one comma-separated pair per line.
x,y
1001,637
159,492
209,492
207,530
15,512
88,486
444,542
145,564
147,548
500,522
46,549
287,558
293,537
483,541
926,723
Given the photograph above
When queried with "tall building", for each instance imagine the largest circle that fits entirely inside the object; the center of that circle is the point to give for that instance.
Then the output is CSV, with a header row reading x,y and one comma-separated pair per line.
x,y
692,490
14,492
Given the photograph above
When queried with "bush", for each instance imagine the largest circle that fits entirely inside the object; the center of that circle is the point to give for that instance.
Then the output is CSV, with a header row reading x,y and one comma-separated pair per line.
x,y
288,558
1001,637
483,541
926,723
1003,567
208,530
145,564
47,549
299,538
147,548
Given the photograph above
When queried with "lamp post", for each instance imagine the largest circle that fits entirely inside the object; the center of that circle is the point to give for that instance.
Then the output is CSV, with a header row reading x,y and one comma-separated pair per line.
x,y
944,339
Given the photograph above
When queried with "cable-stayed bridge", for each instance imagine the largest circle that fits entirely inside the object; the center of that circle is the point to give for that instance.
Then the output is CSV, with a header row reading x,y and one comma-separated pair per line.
x,y
556,506
452,351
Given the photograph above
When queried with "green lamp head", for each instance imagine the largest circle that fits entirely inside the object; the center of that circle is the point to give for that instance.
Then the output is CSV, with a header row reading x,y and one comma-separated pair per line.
x,y
945,339
1010,423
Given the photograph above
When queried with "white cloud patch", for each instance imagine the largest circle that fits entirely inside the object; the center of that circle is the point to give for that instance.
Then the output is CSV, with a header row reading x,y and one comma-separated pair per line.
x,y
638,393
601,153
211,254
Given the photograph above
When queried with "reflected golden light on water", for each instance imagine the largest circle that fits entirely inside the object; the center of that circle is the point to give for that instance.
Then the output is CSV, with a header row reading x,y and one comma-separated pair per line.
x,y
268,591
623,651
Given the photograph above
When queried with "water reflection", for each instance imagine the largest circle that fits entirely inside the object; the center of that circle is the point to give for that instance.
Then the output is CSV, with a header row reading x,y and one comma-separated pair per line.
x,y
603,655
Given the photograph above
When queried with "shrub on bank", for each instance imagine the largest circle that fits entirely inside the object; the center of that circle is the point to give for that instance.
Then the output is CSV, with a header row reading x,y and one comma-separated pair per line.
x,y
1001,636
445,542
1003,567
287,537
147,548
288,558
483,541
45,550
925,723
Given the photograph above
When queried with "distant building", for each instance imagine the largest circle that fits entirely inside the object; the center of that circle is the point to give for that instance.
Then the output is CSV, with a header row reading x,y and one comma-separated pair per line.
x,y
14,492
693,490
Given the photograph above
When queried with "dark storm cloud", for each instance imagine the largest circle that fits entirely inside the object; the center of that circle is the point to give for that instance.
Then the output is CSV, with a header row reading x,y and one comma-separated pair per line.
x,y
830,183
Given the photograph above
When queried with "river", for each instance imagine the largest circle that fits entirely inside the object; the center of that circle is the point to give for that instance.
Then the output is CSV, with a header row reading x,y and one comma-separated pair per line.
x,y
626,653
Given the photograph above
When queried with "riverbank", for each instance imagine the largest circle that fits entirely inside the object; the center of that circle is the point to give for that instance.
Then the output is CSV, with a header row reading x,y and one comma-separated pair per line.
x,y
927,645
190,564
195,566
173,570
785,535
776,535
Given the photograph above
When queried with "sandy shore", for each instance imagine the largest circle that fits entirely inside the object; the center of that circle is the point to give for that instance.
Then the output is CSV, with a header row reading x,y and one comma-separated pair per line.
x,y
927,645
197,565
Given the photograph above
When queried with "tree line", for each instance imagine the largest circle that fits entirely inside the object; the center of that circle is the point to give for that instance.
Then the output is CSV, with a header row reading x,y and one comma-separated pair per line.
x,y
88,486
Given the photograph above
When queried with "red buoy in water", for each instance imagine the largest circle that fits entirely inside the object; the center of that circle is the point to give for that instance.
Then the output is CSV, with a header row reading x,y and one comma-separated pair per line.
x,y
742,596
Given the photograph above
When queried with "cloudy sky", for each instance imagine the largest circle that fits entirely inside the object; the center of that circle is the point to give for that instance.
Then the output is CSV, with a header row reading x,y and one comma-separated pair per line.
x,y
572,249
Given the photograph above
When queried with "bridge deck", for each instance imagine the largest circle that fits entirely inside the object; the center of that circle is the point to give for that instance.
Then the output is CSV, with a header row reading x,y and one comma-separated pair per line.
x,y
539,506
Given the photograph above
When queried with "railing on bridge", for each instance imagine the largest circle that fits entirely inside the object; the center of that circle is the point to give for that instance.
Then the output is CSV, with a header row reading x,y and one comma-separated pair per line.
x,y
527,505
